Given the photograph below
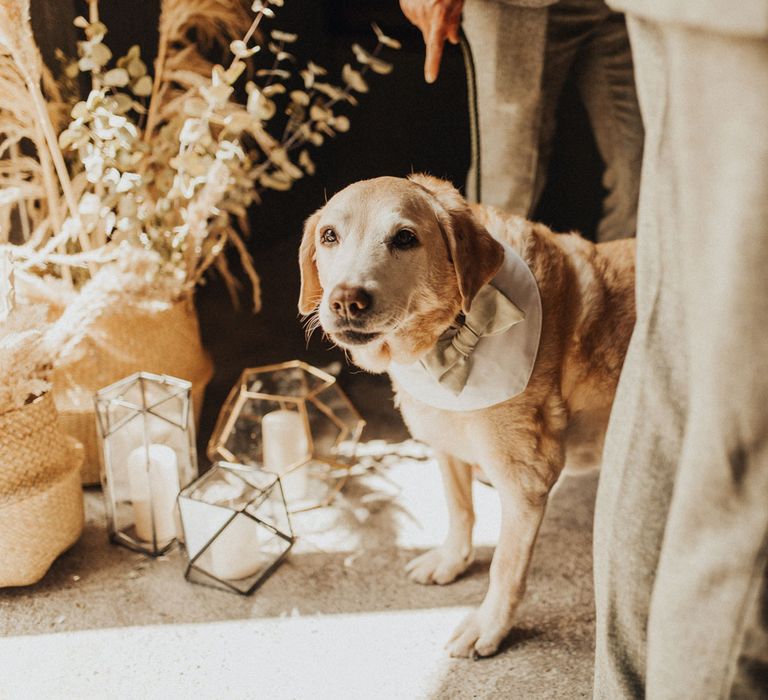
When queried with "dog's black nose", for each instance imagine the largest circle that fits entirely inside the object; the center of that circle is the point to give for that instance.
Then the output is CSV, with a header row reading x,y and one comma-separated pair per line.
x,y
351,302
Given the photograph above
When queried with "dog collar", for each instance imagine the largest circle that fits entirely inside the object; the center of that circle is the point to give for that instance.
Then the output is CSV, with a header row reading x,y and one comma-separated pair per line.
x,y
499,364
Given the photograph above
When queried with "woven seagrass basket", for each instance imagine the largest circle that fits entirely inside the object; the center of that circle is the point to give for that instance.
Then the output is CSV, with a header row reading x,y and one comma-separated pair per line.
x,y
165,341
41,499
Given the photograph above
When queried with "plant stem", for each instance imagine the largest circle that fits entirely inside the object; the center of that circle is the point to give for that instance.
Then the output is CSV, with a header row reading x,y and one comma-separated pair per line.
x,y
58,162
52,193
93,17
162,51
21,206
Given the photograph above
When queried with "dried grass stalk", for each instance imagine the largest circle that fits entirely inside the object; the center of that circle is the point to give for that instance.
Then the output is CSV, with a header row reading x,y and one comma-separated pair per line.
x,y
17,39
211,21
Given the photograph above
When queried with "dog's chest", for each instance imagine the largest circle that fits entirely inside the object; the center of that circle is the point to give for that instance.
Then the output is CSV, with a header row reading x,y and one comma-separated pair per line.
x,y
444,431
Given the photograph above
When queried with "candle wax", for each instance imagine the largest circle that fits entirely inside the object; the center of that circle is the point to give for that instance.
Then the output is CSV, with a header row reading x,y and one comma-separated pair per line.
x,y
153,478
285,443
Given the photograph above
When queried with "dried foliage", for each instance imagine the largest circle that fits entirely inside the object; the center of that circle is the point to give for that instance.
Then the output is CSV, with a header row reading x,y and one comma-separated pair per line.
x,y
167,163
24,360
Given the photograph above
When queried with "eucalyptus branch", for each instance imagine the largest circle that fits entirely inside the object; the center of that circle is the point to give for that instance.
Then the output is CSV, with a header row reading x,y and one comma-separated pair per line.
x,y
173,176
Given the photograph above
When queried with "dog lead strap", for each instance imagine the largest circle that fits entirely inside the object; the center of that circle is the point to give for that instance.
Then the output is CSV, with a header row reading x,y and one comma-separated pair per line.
x,y
474,124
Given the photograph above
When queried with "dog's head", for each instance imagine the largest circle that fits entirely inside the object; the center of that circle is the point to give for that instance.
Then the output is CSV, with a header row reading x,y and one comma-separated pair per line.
x,y
387,264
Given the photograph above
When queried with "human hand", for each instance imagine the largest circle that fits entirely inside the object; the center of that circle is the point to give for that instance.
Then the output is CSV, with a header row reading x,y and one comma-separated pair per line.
x,y
438,20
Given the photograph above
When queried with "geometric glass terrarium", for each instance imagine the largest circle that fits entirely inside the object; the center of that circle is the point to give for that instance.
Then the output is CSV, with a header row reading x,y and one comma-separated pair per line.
x,y
293,420
147,439
236,527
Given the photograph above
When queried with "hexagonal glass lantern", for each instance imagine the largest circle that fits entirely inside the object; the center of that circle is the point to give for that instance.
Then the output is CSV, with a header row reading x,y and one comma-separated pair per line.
x,y
291,419
147,439
236,527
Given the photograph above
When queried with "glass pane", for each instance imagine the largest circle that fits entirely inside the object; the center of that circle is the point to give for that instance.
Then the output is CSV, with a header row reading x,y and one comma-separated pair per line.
x,y
172,408
325,432
293,381
336,400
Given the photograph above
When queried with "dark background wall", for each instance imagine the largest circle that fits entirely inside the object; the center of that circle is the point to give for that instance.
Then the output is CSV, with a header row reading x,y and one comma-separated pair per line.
x,y
401,126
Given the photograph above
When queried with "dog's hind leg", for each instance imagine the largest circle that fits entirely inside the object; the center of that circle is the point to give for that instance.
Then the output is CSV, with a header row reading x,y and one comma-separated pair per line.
x,y
446,563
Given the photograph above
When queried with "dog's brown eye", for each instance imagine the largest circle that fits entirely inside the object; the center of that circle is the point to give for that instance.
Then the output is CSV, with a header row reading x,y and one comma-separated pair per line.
x,y
404,239
328,237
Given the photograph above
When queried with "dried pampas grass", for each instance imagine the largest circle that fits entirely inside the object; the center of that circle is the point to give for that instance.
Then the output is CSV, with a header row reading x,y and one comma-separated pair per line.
x,y
16,39
24,361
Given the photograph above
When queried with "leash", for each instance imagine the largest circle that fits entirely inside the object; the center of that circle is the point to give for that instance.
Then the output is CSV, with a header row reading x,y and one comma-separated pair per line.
x,y
474,126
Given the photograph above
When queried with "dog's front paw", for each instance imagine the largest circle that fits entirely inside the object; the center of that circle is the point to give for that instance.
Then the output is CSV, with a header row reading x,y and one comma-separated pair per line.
x,y
440,565
480,633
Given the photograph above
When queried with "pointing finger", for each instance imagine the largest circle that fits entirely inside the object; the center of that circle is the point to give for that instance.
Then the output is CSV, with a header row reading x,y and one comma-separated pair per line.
x,y
434,53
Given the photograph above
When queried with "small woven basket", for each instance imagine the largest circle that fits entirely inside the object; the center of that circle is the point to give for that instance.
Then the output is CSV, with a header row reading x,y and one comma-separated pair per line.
x,y
41,499
164,341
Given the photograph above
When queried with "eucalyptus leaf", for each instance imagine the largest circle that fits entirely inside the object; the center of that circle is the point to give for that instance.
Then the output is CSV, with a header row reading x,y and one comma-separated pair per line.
x,y
368,59
354,79
300,97
234,71
117,77
275,181
100,55
306,162
330,91
340,123
95,31
316,69
320,114
136,68
143,86
388,41
273,89
273,72
283,36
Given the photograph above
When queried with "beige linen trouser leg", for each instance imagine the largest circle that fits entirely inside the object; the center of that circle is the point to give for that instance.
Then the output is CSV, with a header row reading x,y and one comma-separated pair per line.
x,y
681,521
523,57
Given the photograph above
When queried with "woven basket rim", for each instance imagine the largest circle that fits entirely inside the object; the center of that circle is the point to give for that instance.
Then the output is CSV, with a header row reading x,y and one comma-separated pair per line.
x,y
37,399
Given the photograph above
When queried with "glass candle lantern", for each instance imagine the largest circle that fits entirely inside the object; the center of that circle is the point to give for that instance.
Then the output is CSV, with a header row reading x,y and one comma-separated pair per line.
x,y
236,527
147,439
293,420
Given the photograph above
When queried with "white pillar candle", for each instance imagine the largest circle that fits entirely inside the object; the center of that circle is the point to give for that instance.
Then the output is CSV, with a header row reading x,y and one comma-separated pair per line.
x,y
285,443
235,552
153,478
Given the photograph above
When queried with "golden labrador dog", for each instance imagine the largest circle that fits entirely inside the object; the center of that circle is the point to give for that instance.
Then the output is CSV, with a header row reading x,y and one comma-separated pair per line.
x,y
389,265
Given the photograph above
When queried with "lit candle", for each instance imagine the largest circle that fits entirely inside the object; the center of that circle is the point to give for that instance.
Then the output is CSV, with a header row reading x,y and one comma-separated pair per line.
x,y
153,477
285,443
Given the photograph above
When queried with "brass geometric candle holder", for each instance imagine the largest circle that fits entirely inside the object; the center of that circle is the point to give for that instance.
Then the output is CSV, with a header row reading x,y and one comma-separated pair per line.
x,y
293,420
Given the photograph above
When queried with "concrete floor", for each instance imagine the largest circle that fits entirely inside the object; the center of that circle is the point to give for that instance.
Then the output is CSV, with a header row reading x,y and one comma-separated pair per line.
x,y
338,619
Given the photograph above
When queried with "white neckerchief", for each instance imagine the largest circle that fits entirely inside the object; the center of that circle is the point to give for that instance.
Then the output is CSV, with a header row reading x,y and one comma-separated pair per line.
x,y
500,364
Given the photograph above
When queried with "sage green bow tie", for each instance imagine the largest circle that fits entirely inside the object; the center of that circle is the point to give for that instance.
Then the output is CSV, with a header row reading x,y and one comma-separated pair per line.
x,y
449,361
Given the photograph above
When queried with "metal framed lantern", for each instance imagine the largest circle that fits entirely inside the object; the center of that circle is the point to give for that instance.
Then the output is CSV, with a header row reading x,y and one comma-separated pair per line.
x,y
147,447
236,527
291,419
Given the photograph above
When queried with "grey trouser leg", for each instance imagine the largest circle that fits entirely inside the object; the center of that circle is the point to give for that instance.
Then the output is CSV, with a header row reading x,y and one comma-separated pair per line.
x,y
682,513
508,45
523,57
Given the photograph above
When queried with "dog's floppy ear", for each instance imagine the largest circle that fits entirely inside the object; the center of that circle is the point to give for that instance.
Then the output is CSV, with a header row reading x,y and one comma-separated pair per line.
x,y
476,255
311,290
